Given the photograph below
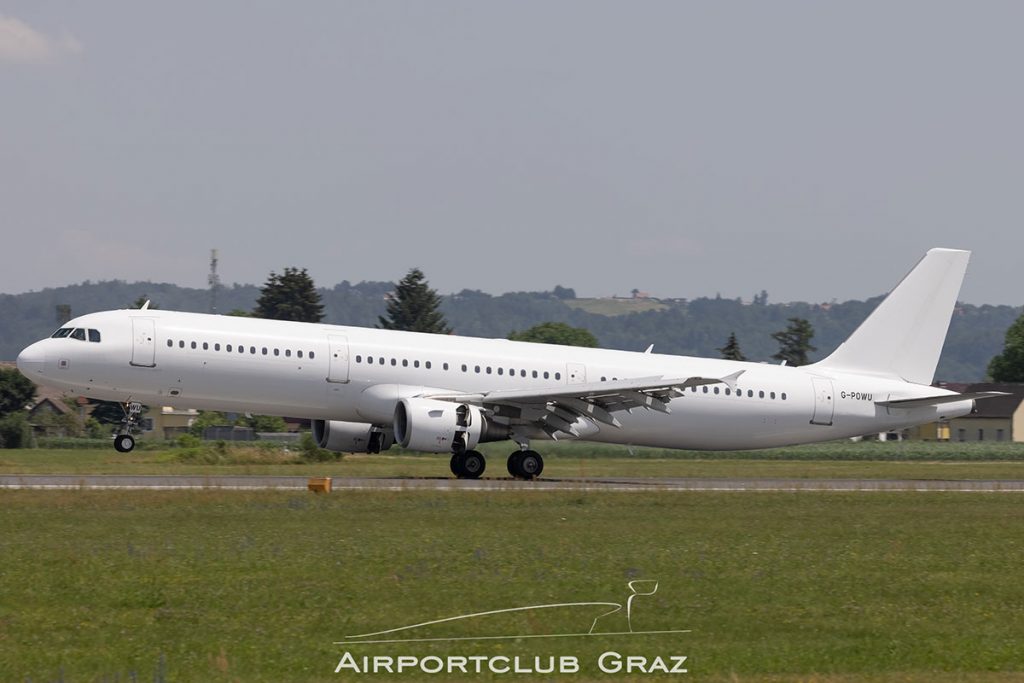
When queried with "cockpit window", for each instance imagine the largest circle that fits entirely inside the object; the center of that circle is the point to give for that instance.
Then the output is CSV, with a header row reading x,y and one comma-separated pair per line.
x,y
61,333
78,334
94,335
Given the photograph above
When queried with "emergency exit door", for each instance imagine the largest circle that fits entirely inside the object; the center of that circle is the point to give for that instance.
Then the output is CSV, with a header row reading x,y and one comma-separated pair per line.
x,y
824,401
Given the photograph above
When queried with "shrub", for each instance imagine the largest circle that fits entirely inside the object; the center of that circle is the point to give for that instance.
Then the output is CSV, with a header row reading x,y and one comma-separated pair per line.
x,y
15,431
311,451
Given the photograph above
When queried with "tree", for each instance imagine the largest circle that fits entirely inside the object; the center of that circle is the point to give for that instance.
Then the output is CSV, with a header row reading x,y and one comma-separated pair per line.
x,y
141,301
731,350
289,296
414,307
560,292
1008,366
556,333
208,418
15,431
795,342
16,391
266,423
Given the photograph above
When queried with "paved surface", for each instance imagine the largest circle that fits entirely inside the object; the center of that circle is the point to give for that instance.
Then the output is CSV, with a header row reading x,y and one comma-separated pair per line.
x,y
174,482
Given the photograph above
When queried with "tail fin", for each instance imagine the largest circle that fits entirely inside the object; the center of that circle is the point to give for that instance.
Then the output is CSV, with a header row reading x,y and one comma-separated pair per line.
x,y
903,337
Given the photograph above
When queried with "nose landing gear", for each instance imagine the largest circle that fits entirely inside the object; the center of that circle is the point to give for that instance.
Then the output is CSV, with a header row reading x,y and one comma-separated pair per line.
x,y
124,442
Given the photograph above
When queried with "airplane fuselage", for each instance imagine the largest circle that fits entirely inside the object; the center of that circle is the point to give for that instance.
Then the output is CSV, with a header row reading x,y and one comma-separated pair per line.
x,y
354,374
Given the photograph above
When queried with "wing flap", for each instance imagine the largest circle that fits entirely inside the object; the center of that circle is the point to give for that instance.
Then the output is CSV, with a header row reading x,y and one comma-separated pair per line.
x,y
560,409
938,400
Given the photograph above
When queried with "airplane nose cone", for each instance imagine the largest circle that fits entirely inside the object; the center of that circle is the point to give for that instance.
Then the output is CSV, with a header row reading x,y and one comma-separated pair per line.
x,y
32,360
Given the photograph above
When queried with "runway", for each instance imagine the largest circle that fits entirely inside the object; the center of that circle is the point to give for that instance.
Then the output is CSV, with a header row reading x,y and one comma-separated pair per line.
x,y
611,484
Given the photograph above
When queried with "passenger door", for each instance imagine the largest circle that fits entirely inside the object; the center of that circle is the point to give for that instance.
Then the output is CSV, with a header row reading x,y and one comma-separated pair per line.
x,y
143,342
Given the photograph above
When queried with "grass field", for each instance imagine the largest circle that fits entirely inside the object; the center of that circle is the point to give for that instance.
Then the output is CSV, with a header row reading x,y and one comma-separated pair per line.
x,y
838,460
613,307
224,586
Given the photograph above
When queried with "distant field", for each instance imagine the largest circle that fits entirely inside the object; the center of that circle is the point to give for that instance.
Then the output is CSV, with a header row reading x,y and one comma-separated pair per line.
x,y
219,586
905,460
613,307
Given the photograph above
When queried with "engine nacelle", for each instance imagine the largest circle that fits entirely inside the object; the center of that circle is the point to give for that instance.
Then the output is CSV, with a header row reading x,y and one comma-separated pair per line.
x,y
351,437
425,424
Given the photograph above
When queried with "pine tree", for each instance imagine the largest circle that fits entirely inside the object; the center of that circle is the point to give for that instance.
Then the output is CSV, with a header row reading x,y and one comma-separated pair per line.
x,y
731,350
795,342
1008,366
290,296
414,307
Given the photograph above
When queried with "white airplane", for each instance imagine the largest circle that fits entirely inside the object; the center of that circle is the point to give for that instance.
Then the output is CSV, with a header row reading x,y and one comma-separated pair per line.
x,y
365,389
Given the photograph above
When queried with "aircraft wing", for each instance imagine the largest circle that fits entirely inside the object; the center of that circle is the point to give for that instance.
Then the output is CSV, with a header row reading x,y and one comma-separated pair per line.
x,y
557,409
938,400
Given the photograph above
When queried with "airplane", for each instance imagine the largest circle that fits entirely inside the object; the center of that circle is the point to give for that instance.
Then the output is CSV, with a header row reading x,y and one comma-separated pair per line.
x,y
367,389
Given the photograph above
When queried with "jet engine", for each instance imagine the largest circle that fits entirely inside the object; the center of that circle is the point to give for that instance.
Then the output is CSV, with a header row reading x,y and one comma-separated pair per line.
x,y
425,424
351,437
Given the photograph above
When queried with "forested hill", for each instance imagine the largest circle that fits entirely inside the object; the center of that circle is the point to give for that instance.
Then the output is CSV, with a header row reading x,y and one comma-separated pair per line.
x,y
696,327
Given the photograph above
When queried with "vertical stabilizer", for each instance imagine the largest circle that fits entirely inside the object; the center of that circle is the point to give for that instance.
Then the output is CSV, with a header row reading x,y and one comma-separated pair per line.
x,y
903,337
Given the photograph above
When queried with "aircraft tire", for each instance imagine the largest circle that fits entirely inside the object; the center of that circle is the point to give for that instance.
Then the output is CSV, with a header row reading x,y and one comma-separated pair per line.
x,y
124,443
456,464
473,465
513,464
531,464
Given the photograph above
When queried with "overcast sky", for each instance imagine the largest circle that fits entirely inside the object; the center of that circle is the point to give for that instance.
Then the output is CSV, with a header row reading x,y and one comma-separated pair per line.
x,y
812,149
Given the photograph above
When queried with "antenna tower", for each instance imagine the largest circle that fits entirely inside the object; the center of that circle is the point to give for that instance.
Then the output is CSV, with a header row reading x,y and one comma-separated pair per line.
x,y
214,281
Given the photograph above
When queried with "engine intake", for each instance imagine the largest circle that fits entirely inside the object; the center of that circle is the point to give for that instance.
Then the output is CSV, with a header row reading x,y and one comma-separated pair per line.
x,y
426,424
351,437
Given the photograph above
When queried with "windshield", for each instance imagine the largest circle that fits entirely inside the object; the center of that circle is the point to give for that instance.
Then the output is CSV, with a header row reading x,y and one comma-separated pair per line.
x,y
62,332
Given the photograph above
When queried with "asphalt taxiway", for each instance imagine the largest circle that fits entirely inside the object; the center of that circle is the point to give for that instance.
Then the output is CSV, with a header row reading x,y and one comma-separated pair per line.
x,y
637,484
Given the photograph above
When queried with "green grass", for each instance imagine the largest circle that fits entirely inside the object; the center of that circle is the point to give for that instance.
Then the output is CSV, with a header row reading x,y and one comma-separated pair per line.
x,y
220,586
835,460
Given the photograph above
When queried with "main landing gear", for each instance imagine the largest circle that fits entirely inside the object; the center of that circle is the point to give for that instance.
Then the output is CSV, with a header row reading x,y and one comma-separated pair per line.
x,y
468,464
523,464
124,442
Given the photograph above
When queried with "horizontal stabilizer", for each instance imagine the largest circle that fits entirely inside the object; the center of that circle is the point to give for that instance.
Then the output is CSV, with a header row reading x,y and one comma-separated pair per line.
x,y
938,400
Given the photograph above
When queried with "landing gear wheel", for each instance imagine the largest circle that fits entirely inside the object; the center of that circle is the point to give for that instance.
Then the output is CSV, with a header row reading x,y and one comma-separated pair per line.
x,y
124,442
525,464
513,463
531,464
473,464
468,464
456,464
